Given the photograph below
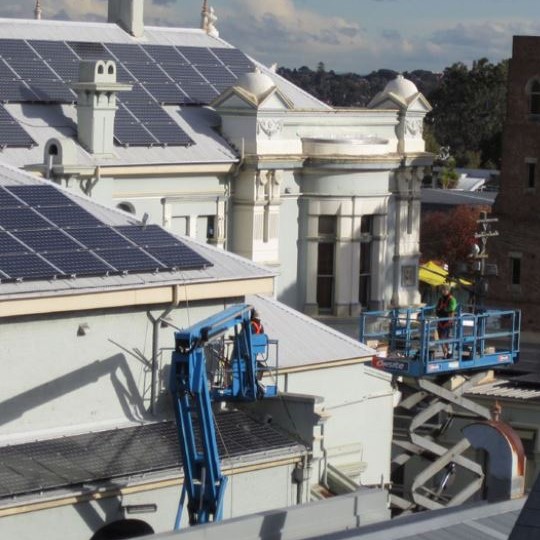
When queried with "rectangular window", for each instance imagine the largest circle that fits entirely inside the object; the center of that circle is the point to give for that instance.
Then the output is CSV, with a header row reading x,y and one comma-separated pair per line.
x,y
327,229
205,228
366,255
531,174
325,275
515,270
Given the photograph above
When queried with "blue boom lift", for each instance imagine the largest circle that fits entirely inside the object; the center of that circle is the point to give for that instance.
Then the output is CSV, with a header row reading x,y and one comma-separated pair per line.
x,y
432,390
242,359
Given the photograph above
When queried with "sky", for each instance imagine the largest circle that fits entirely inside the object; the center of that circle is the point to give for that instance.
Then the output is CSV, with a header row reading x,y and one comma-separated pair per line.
x,y
346,35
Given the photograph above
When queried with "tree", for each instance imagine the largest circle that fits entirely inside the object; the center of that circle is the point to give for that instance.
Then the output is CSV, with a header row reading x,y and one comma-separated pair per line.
x,y
469,108
449,236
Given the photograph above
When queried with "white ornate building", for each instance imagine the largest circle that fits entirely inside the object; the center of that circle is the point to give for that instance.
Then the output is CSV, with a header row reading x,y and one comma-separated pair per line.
x,y
329,198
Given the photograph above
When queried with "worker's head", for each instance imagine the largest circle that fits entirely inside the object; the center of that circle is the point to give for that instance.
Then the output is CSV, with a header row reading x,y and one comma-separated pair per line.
x,y
445,289
255,315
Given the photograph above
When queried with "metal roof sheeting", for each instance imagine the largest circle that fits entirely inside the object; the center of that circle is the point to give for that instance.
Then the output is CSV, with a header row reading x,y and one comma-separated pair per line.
x,y
303,341
226,265
503,388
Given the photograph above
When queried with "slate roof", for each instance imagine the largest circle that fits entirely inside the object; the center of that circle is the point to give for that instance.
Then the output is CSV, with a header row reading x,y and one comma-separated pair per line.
x,y
76,461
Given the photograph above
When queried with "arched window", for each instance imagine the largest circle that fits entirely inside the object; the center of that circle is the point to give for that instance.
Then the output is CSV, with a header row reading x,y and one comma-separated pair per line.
x,y
534,97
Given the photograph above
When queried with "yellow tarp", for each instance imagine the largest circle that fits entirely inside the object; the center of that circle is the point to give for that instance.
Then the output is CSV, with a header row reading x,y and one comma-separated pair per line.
x,y
435,275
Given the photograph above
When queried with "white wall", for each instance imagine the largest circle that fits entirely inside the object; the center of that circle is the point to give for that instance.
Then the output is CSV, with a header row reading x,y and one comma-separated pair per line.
x,y
247,492
60,381
359,405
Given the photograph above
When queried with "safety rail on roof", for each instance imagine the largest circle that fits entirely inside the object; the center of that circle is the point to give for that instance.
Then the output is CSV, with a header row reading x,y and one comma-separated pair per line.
x,y
408,342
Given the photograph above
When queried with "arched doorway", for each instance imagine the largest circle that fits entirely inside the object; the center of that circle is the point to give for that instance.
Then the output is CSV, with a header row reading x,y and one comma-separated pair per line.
x,y
123,529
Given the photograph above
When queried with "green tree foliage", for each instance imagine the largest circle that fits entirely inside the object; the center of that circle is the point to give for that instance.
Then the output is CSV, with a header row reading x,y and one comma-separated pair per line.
x,y
449,236
469,108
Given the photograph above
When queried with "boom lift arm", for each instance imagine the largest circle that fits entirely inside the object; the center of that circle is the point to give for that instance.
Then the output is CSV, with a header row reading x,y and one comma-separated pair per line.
x,y
193,393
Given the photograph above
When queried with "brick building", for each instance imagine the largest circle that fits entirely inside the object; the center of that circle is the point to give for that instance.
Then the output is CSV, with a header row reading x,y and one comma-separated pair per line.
x,y
515,250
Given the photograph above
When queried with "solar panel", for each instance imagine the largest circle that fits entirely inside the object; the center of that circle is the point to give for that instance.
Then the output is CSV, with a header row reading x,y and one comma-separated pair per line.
x,y
45,240
14,219
136,95
70,216
30,69
15,91
128,53
67,70
100,238
81,263
199,56
52,91
169,134
180,73
26,265
180,257
90,51
217,74
8,245
167,93
164,54
130,259
41,195
54,237
147,73
232,57
151,235
5,71
53,50
16,48
7,199
199,93
148,112
132,134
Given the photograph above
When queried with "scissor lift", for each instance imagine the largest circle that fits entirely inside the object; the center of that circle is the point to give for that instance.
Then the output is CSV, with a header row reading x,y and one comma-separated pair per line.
x,y
433,390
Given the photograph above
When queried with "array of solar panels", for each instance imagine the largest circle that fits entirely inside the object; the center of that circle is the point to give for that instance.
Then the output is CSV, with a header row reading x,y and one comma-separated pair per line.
x,y
45,235
37,71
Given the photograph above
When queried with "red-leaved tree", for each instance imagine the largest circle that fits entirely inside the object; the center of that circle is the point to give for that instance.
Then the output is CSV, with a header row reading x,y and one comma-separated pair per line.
x,y
449,236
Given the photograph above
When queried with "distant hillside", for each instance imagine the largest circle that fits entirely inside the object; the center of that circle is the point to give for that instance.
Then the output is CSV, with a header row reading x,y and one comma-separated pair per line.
x,y
351,89
469,104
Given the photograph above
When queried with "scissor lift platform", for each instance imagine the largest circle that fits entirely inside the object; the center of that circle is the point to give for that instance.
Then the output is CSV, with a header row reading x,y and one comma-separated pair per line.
x,y
412,346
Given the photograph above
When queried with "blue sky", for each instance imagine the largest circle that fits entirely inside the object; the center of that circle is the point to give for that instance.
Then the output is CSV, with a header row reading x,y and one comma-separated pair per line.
x,y
347,35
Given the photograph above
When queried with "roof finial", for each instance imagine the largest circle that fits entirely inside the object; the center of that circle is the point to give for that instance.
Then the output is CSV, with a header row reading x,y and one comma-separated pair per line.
x,y
204,15
37,10
208,20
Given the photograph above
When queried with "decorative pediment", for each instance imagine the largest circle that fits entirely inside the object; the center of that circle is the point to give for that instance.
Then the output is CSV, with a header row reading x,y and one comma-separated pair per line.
x,y
237,97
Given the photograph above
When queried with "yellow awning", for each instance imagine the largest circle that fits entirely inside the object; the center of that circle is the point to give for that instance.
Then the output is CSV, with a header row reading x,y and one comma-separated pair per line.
x,y
435,275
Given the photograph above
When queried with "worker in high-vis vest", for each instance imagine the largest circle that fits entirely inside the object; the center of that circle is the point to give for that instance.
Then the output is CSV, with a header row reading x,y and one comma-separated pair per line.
x,y
446,309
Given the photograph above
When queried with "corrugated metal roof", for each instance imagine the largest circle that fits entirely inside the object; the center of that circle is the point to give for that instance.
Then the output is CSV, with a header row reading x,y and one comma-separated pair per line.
x,y
452,197
504,388
96,457
226,265
303,341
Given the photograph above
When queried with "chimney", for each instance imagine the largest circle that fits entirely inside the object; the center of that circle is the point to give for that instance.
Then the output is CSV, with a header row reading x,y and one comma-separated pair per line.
x,y
128,14
96,105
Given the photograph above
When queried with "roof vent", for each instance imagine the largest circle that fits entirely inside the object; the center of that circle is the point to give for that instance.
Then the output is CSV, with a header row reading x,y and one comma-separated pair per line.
x,y
128,14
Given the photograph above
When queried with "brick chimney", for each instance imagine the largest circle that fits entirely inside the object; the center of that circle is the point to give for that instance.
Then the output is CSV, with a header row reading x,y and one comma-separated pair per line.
x,y
96,105
128,14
